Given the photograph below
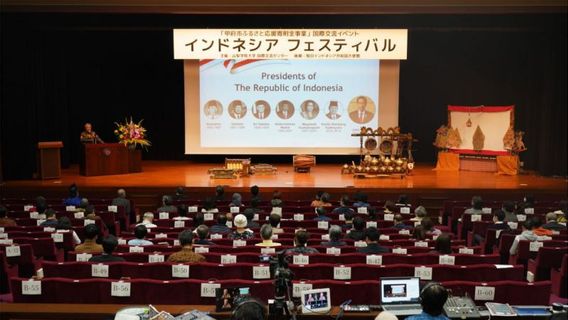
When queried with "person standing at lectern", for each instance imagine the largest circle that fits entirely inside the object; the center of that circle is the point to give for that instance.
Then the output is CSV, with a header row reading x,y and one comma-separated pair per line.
x,y
89,136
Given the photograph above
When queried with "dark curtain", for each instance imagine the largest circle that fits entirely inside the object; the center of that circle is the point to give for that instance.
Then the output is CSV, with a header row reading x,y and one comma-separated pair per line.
x,y
61,70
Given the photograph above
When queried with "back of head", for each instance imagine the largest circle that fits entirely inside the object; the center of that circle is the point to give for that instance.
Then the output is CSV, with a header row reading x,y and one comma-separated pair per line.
x,y
349,216
64,223
185,238
372,234
390,205
477,202
509,206
398,218
335,233
277,195
529,200
219,191
49,213
536,222
249,310
358,223
209,203
198,219
84,203
254,203
73,191
167,200
443,244
202,231
237,199
91,231
140,231
500,215
363,197
319,194
551,217
180,191
528,224
344,200
418,233
109,244
420,212
274,220
432,298
325,197
182,210
41,204
427,224
90,209
266,232
148,216
254,190
222,219
121,193
3,212
403,199
301,237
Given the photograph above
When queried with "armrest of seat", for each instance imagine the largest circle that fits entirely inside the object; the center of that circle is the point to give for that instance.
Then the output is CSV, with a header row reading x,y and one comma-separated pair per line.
x,y
532,266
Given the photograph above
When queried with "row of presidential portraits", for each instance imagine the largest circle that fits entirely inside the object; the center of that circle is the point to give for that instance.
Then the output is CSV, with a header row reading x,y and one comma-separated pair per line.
x,y
361,109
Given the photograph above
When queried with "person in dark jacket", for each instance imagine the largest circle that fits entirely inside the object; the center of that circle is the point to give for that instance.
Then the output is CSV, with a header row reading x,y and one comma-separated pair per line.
x,y
372,239
109,244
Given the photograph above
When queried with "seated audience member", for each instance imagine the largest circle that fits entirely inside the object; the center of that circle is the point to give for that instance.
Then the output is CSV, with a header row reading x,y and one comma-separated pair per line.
x,y
443,244
403,201
73,199
64,225
83,204
198,219
429,228
334,237
348,221
255,193
562,213
180,194
182,213
538,230
343,206
476,206
148,220
317,199
390,207
249,310
266,235
300,240
357,233
209,206
528,201
109,244
140,233
167,205
399,222
121,201
372,239
186,253
321,214
418,233
361,200
4,220
250,212
221,225
274,220
241,232
498,224
40,205
552,223
90,245
419,214
324,200
526,234
276,199
236,200
432,298
50,219
202,233
509,208
91,214
219,193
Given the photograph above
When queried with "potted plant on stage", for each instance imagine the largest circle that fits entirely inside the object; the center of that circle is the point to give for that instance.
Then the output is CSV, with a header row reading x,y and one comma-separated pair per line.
x,y
132,135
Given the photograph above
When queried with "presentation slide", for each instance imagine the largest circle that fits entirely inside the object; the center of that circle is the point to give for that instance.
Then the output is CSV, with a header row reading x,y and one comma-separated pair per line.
x,y
286,103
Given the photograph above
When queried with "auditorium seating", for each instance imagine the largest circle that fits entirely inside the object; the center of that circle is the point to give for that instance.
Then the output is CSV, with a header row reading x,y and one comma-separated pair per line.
x,y
559,278
511,292
547,259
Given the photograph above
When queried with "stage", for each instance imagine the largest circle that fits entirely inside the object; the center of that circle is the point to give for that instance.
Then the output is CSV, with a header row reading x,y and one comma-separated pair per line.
x,y
162,177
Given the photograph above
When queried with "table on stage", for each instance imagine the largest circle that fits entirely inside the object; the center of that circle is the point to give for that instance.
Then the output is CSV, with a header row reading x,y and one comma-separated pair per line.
x,y
109,158
500,164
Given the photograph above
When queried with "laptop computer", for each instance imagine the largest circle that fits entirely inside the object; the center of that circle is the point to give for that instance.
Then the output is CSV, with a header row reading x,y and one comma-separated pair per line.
x,y
401,295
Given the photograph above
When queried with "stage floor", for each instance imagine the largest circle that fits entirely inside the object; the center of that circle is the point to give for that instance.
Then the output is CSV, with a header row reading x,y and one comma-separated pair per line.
x,y
160,174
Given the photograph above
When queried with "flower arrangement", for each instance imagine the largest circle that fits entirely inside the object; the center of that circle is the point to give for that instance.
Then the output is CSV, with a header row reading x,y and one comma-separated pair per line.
x,y
131,134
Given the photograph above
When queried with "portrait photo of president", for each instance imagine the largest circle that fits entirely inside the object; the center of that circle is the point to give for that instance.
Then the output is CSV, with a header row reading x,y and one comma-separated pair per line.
x,y
213,109
310,109
361,109
333,110
237,109
261,109
285,109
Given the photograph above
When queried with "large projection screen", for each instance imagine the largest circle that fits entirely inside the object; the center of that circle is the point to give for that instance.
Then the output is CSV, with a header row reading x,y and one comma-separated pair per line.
x,y
286,106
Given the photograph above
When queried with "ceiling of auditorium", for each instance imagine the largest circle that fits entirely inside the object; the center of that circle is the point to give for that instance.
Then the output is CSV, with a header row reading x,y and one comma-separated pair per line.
x,y
289,6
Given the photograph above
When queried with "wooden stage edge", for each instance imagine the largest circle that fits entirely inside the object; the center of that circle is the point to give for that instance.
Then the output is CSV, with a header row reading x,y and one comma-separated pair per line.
x,y
161,177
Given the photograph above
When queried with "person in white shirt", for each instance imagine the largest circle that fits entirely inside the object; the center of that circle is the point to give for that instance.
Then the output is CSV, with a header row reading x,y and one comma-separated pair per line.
x,y
140,232
148,220
527,234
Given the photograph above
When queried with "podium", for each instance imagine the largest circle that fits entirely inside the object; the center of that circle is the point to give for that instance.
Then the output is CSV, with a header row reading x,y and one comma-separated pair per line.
x,y
49,159
108,159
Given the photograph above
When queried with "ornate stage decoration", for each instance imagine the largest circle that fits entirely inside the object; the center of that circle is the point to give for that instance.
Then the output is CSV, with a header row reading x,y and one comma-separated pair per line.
x,y
447,138
132,134
513,141
478,139
383,153
236,168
